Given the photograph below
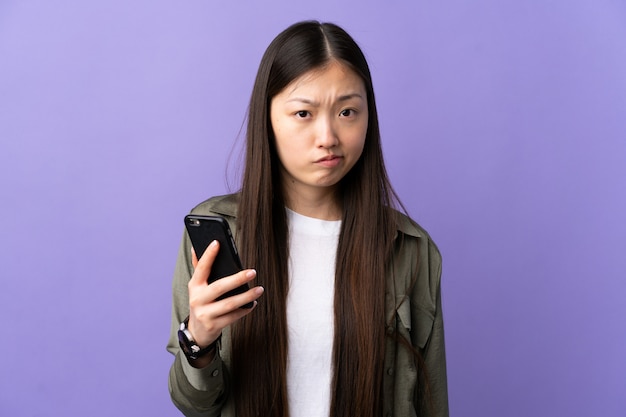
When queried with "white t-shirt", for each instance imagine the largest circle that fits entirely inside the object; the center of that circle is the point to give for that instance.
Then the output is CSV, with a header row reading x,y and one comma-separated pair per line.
x,y
310,318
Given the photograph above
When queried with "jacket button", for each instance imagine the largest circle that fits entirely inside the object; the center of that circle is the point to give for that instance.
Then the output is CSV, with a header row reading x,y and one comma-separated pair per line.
x,y
389,371
215,373
389,330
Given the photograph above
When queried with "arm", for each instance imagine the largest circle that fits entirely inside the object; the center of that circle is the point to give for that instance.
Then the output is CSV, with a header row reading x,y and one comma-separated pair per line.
x,y
433,353
195,392
198,388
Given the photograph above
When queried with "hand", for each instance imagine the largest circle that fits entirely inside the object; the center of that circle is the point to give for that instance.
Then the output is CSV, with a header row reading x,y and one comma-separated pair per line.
x,y
207,315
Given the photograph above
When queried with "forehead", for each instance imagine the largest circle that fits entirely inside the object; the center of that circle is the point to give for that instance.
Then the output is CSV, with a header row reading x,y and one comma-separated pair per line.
x,y
335,75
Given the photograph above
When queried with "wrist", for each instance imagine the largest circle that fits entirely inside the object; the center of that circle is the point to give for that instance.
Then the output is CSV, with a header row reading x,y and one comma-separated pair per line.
x,y
190,347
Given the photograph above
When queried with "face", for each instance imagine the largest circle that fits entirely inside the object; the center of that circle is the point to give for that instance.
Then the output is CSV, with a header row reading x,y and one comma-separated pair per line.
x,y
319,123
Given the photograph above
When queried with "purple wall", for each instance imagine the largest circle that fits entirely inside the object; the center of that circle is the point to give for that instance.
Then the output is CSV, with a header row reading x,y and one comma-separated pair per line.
x,y
504,124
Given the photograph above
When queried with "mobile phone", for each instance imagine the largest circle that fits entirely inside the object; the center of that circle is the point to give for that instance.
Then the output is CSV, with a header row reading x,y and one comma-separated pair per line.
x,y
202,230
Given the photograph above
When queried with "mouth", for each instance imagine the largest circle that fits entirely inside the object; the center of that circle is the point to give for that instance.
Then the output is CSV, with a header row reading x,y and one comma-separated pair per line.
x,y
329,161
328,158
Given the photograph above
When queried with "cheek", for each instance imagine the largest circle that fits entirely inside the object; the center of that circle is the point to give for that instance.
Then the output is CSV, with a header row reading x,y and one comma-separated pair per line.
x,y
279,134
290,137
286,146
358,151
358,141
275,125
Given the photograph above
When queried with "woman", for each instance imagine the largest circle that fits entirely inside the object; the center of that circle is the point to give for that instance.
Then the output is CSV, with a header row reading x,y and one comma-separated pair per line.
x,y
349,322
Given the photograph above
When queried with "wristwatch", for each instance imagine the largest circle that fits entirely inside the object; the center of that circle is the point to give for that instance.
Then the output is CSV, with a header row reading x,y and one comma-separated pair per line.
x,y
189,346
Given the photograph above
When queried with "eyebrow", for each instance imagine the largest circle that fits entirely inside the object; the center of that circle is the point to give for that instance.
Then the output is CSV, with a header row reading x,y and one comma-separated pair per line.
x,y
345,97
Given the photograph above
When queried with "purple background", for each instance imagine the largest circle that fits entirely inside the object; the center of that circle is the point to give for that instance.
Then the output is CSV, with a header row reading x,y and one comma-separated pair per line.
x,y
504,127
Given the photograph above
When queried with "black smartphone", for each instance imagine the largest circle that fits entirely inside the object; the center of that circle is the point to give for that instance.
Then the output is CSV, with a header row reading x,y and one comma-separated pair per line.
x,y
202,230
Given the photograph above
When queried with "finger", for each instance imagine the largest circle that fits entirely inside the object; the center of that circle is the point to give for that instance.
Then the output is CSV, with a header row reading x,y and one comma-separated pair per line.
x,y
208,321
203,266
224,285
237,301
194,258
210,317
203,295
232,316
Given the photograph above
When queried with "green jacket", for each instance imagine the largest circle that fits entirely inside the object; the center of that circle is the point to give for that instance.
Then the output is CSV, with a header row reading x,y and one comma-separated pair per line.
x,y
414,312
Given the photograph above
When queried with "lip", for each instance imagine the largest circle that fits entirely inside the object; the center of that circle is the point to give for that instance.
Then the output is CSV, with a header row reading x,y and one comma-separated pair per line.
x,y
328,158
329,161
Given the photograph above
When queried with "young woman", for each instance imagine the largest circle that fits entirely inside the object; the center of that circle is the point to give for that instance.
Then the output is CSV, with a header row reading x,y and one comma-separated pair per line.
x,y
347,314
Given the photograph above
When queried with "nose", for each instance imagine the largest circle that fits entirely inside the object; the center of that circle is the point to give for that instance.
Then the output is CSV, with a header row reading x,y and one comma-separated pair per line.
x,y
326,133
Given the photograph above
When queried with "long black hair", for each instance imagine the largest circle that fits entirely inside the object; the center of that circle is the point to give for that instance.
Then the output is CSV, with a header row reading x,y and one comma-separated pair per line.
x,y
259,346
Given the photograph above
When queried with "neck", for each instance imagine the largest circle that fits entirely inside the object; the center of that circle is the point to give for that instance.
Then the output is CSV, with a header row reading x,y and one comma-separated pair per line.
x,y
321,204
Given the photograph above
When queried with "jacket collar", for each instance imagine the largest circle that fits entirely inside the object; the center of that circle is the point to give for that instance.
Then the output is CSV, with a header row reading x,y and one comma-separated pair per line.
x,y
407,226
226,205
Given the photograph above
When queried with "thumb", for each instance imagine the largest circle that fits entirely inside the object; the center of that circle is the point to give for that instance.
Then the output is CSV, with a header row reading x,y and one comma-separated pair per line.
x,y
202,266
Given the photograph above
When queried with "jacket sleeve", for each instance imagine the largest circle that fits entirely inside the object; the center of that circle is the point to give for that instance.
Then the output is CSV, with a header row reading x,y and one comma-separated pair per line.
x,y
434,392
195,392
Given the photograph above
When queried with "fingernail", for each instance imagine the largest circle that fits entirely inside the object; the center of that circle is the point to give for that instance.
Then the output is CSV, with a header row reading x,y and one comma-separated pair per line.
x,y
213,244
251,273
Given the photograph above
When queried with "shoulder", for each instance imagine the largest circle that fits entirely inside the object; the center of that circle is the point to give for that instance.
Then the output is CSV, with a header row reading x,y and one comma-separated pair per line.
x,y
409,229
417,264
223,205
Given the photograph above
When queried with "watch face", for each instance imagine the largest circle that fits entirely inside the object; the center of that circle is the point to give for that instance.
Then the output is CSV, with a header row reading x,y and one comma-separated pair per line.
x,y
184,343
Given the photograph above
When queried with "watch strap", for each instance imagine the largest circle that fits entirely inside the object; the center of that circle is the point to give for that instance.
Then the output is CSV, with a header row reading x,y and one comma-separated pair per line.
x,y
189,346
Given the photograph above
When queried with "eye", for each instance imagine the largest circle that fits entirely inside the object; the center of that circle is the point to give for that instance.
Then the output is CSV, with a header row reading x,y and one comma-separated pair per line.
x,y
302,114
347,112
